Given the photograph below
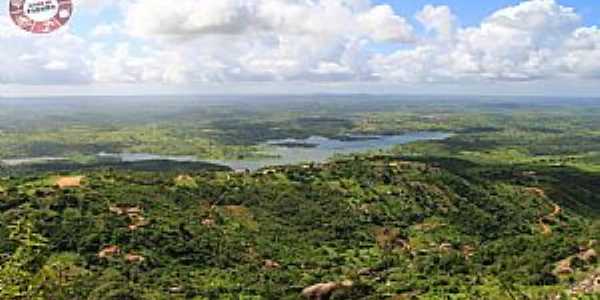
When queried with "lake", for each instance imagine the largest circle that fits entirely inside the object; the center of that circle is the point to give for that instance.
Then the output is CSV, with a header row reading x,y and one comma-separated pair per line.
x,y
315,149
320,149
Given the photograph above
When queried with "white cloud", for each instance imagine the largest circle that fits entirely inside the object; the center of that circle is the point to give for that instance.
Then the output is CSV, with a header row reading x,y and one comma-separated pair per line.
x,y
238,41
439,19
518,43
383,25
270,39
57,65
94,5
582,54
149,18
102,30
45,59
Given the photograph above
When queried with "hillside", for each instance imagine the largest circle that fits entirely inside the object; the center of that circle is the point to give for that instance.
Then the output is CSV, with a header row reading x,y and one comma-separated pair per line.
x,y
300,150
368,227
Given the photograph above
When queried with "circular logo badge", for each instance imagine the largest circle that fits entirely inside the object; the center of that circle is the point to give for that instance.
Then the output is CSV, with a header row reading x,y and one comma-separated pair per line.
x,y
40,16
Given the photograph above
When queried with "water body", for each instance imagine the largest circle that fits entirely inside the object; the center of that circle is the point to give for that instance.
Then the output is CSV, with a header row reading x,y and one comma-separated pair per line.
x,y
320,149
137,157
30,160
315,149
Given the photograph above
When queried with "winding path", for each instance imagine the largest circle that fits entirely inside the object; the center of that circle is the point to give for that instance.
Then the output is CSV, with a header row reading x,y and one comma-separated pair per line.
x,y
546,230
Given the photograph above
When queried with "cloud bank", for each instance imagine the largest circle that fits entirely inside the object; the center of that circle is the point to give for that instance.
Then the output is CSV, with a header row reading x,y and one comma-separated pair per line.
x,y
228,41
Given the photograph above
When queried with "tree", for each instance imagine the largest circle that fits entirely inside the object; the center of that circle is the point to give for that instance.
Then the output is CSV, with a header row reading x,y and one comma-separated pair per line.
x,y
15,276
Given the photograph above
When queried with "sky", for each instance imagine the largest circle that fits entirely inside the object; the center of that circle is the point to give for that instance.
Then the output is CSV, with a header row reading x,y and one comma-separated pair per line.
x,y
137,47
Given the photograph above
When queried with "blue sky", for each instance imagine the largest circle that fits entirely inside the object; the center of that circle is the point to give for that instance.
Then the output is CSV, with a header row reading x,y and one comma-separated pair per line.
x,y
277,46
471,12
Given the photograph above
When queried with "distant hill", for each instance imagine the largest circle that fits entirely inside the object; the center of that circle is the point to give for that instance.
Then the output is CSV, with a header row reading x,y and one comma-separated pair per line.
x,y
147,165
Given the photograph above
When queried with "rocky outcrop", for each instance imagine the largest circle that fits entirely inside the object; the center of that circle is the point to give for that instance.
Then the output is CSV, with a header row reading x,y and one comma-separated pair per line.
x,y
109,251
323,291
565,266
134,258
271,264
588,286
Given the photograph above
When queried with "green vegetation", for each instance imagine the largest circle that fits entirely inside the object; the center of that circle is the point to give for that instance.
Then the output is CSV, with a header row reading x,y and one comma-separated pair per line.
x,y
392,225
507,208
565,131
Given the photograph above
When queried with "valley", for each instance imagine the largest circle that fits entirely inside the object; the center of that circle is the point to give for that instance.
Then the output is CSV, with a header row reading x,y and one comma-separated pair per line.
x,y
462,199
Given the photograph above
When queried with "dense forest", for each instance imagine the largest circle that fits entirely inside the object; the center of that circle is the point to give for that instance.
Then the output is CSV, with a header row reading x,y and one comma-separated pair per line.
x,y
508,207
379,227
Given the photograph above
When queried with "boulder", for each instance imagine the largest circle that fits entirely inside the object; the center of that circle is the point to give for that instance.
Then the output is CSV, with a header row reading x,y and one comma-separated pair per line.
x,y
271,264
588,256
109,251
563,267
133,258
323,291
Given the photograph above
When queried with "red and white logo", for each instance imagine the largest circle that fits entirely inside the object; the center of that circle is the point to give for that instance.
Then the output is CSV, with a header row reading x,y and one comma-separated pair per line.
x,y
40,16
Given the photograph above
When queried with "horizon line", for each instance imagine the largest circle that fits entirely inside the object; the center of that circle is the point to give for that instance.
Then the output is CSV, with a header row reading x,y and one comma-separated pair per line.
x,y
326,94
